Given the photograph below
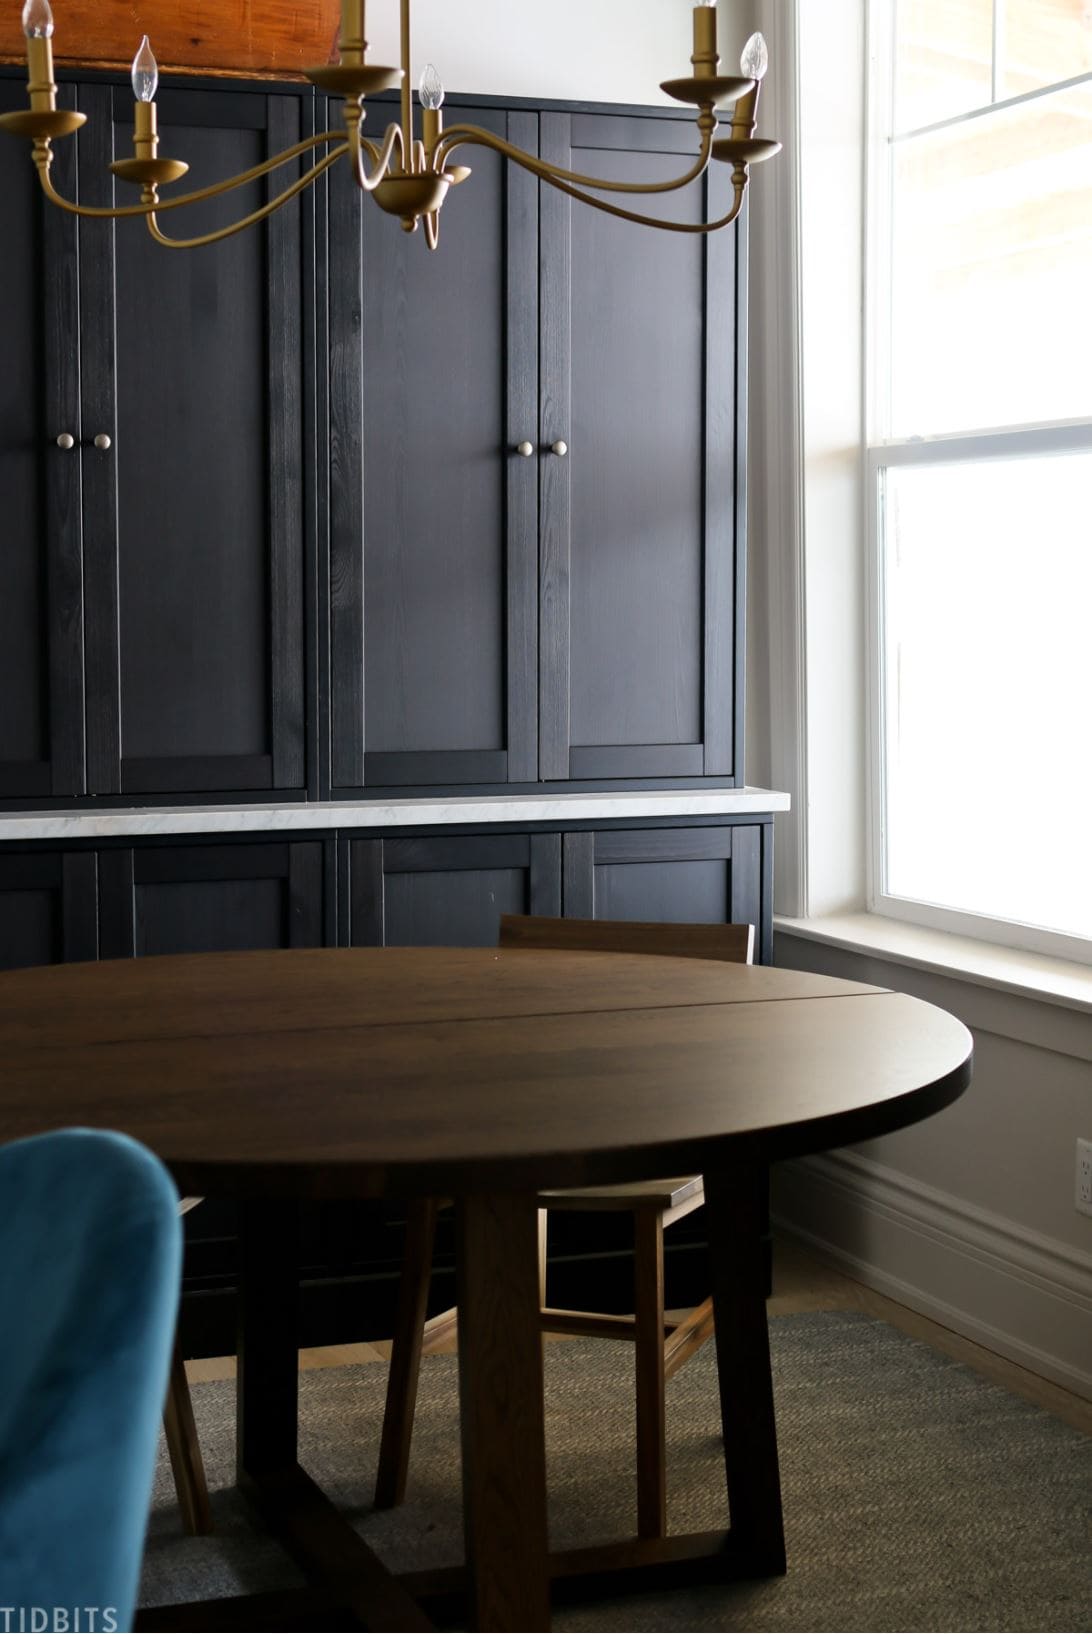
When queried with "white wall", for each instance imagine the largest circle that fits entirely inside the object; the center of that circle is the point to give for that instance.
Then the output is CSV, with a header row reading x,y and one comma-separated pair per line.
x,y
588,50
969,1215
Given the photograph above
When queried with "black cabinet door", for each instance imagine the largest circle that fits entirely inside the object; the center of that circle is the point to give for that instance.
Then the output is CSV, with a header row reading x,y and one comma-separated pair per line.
x,y
641,523
211,898
714,875
444,891
192,366
48,908
433,515
41,629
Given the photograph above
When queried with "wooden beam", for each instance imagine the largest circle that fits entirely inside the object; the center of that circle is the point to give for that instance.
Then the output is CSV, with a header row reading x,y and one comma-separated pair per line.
x,y
279,37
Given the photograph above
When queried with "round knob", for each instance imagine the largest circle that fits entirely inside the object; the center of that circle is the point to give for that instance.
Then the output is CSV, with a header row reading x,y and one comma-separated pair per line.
x,y
66,440
560,449
102,441
525,450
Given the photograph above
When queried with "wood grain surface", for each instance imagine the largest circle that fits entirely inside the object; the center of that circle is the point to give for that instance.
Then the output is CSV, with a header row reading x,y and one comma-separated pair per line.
x,y
214,36
454,1071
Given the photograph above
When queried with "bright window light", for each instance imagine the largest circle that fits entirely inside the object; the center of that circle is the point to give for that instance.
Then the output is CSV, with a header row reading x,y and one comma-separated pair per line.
x,y
988,688
980,347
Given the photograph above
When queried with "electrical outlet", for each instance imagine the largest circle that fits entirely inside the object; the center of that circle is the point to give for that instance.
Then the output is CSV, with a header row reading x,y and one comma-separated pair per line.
x,y
1084,1177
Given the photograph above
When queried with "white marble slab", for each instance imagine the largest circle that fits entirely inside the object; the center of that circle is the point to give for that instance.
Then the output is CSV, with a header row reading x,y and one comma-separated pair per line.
x,y
469,809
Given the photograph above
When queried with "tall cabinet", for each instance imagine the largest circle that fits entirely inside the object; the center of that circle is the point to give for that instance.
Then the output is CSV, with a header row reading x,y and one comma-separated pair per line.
x,y
42,754
433,516
152,439
536,540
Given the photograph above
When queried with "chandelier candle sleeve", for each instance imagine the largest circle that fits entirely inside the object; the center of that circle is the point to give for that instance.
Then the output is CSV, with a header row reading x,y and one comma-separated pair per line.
x,y
706,57
38,28
754,61
431,93
145,80
352,44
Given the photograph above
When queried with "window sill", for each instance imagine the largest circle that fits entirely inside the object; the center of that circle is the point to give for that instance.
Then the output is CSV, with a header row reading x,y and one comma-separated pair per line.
x,y
1008,970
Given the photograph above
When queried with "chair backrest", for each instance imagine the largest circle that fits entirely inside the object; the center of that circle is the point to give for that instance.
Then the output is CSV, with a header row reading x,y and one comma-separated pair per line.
x,y
733,943
90,1261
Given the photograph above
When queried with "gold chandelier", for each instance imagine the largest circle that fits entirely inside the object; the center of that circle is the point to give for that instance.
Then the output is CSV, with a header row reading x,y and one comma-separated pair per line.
x,y
409,176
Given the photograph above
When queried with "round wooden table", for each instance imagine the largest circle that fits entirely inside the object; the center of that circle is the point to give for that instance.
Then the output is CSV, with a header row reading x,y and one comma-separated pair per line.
x,y
483,1076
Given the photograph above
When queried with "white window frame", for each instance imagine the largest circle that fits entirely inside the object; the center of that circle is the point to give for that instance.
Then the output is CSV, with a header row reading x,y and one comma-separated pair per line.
x,y
1050,437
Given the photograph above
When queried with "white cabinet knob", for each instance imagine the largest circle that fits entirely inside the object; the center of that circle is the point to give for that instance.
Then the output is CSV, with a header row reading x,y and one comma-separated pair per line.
x,y
525,450
102,441
560,449
66,440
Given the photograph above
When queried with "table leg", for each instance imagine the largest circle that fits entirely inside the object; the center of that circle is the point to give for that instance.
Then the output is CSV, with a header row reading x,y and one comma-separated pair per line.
x,y
267,1385
500,1390
735,1216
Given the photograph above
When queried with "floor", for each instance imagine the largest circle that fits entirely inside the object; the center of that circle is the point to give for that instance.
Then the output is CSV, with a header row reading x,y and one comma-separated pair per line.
x,y
802,1282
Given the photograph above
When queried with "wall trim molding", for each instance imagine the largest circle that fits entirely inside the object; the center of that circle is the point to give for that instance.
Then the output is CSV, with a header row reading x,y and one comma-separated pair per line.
x,y
777,647
1020,1293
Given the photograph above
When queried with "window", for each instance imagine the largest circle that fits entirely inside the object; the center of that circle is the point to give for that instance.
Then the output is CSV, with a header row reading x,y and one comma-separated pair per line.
x,y
980,466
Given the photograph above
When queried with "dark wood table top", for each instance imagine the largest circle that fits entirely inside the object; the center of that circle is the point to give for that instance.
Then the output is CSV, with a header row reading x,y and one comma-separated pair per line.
x,y
339,1072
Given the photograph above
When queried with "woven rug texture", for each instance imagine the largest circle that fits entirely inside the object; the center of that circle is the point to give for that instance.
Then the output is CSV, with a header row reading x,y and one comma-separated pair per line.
x,y
917,1495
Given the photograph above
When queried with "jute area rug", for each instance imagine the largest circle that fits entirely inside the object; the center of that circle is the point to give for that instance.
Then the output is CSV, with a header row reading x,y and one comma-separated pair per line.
x,y
917,1495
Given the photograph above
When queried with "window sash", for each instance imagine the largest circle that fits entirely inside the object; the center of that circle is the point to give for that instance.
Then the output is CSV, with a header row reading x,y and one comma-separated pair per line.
x,y
1050,438
883,452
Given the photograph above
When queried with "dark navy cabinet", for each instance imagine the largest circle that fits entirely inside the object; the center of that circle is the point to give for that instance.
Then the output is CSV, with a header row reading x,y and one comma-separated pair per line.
x,y
154,426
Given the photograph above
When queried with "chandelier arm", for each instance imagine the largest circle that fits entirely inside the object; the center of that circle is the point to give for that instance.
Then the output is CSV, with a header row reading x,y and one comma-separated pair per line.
x,y
432,229
214,190
251,220
739,188
473,135
381,157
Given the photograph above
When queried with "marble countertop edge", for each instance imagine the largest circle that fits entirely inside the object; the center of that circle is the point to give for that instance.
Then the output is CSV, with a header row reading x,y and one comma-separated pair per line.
x,y
416,812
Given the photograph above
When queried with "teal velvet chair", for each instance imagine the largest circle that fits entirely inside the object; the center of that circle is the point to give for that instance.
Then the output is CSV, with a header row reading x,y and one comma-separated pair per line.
x,y
90,1259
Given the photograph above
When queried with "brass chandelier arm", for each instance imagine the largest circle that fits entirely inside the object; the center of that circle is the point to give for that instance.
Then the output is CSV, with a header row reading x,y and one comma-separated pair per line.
x,y
739,188
547,173
380,157
44,158
251,220
457,136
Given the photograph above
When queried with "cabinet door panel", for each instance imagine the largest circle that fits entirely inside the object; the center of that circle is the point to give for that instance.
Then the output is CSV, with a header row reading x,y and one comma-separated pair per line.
x,y
48,910
207,899
433,518
639,521
448,890
196,584
708,875
212,898
41,631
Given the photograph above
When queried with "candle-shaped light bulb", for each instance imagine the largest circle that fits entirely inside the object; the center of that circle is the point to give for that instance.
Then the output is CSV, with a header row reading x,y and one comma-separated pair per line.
x,y
755,59
145,74
37,20
431,89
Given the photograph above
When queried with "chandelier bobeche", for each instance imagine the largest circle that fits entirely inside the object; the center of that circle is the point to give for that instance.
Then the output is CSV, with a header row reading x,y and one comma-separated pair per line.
x,y
408,175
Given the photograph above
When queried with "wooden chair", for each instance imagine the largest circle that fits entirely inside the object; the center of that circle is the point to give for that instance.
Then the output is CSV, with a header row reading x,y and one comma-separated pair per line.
x,y
183,1447
661,1348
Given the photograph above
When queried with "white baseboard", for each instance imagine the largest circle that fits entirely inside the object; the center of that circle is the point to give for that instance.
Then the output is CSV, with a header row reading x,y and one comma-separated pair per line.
x,y
1022,1295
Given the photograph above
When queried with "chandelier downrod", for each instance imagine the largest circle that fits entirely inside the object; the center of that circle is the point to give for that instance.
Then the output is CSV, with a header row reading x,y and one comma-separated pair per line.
x,y
409,176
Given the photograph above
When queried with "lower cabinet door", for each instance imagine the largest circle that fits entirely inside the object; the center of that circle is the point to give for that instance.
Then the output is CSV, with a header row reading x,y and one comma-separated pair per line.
x,y
709,875
214,898
48,908
211,898
446,890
